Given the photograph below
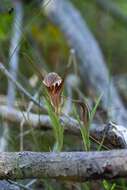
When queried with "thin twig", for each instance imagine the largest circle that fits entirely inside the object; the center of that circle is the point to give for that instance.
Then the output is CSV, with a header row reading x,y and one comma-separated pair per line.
x,y
31,182
23,121
20,87
19,185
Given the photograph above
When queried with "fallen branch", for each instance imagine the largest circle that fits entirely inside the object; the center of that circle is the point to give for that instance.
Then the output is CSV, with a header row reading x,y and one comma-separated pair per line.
x,y
92,65
71,166
114,136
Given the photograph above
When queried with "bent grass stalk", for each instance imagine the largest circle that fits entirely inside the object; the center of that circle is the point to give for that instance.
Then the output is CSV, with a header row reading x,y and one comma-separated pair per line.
x,y
84,129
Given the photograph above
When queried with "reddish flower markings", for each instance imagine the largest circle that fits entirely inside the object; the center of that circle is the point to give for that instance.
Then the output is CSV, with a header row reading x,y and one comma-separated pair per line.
x,y
54,84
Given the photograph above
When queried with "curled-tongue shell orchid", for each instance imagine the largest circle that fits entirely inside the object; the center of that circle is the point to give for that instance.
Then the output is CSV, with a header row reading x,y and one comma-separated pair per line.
x,y
54,84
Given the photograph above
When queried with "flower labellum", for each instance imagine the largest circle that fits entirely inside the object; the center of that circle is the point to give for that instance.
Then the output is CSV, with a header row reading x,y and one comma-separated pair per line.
x,y
54,84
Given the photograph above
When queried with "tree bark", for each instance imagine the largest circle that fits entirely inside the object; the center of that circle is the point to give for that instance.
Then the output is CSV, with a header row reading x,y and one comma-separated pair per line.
x,y
71,166
91,61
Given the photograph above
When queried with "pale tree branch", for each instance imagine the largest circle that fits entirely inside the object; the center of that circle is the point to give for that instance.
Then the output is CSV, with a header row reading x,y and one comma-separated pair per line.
x,y
112,135
13,65
71,166
91,61
14,49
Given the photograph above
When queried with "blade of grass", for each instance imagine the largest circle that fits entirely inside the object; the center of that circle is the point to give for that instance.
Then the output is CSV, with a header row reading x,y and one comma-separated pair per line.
x,y
57,128
84,131
92,114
